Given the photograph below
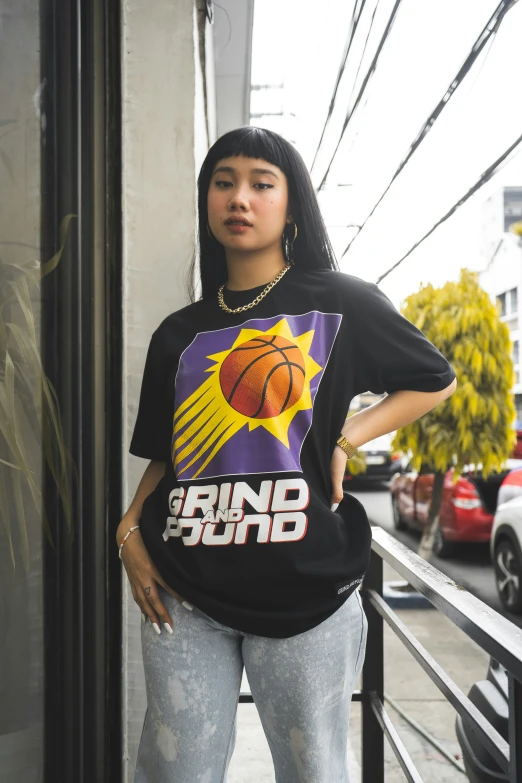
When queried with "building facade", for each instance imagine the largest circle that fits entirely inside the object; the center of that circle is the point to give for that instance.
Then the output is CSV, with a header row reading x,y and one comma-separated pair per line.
x,y
502,274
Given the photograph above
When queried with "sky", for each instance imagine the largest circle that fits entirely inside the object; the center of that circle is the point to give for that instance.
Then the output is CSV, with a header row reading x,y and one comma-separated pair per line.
x,y
299,44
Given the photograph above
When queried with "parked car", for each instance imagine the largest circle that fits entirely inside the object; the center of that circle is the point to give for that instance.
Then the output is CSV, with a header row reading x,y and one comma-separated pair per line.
x,y
490,697
512,485
467,507
506,543
381,461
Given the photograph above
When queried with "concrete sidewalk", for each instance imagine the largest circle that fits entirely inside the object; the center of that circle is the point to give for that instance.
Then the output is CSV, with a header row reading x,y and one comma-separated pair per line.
x,y
408,685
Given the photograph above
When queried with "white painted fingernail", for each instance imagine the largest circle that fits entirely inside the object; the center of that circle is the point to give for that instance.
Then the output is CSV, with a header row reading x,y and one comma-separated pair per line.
x,y
334,506
167,626
187,605
156,627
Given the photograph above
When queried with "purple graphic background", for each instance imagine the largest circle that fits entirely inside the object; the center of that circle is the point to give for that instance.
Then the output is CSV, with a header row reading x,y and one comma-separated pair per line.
x,y
257,451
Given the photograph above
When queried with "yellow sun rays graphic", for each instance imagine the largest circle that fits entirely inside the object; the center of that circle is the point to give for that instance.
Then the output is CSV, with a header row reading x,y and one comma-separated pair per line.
x,y
205,421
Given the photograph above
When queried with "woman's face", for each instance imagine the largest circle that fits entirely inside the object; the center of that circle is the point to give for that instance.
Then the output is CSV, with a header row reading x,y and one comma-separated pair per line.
x,y
249,188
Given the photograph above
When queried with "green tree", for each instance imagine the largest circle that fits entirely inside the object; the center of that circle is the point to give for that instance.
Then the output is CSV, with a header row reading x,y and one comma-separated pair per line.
x,y
357,464
474,425
30,419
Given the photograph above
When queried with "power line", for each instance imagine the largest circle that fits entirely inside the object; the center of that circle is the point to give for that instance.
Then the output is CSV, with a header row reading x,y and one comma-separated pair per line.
x,y
479,72
489,31
357,11
484,177
370,28
370,73
357,76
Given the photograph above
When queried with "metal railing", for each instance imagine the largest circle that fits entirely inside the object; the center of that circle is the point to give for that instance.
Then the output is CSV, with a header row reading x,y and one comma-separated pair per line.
x,y
496,635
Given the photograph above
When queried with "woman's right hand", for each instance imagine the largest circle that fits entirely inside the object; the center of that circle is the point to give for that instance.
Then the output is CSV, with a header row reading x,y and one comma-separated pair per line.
x,y
144,578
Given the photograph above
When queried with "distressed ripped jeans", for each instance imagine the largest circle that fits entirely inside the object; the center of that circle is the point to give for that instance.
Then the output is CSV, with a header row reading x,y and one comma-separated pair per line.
x,y
302,687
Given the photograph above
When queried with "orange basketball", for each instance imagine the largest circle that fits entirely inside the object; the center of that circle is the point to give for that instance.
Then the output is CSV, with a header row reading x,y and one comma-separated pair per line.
x,y
263,377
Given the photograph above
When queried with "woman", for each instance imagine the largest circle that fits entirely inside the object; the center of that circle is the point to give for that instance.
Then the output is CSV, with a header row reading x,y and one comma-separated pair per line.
x,y
243,546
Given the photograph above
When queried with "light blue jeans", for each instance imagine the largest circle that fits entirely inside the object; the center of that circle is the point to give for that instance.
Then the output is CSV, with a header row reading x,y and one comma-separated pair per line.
x,y
302,687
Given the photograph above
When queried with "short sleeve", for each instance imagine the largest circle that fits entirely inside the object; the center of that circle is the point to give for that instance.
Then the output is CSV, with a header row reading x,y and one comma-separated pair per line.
x,y
152,434
392,353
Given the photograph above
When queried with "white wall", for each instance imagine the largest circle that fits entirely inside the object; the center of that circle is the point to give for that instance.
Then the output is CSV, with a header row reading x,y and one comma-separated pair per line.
x,y
492,223
164,138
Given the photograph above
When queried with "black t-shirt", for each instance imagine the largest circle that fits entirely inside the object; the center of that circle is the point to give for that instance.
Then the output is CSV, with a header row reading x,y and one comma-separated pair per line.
x,y
245,410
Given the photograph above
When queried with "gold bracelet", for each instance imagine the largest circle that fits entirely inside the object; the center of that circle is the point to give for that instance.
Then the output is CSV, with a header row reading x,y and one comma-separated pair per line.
x,y
348,448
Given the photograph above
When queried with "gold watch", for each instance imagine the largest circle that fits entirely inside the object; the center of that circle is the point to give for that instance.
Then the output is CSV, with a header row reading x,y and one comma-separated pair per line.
x,y
348,448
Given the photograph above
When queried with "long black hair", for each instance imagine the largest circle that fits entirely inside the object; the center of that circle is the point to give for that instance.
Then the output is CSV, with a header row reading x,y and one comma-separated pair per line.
x,y
312,248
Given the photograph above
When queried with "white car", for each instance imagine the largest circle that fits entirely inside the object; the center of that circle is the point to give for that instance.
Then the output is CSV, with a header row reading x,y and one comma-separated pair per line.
x,y
506,549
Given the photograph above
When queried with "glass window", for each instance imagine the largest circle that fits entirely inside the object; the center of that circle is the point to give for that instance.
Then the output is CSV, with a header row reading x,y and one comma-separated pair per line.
x,y
502,299
516,358
21,469
514,300
512,206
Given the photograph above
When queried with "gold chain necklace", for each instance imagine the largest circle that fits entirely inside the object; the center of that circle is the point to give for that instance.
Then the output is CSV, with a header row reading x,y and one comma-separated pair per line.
x,y
258,298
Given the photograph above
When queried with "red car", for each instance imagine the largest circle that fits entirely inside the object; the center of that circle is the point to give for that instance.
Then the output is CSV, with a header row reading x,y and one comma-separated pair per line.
x,y
467,508
517,453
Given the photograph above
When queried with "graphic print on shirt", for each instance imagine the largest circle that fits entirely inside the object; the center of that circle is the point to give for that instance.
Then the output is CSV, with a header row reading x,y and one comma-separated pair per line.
x,y
214,514
245,394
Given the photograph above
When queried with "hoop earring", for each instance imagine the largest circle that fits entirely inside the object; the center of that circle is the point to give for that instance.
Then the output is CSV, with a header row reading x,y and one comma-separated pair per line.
x,y
289,246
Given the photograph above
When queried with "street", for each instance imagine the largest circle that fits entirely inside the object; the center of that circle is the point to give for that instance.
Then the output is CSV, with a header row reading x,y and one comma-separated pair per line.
x,y
471,567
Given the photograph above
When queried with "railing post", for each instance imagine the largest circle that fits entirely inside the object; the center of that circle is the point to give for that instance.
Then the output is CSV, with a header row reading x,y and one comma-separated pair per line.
x,y
515,730
373,678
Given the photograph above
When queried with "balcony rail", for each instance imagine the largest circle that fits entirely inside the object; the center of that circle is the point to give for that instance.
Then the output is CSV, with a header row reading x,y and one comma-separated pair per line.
x,y
496,635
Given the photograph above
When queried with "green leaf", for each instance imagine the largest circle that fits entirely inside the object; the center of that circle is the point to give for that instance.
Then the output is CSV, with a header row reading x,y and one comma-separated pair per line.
x,y
10,464
6,517
21,291
20,515
55,260
55,451
9,384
